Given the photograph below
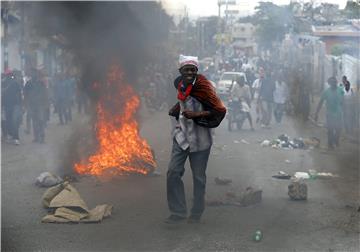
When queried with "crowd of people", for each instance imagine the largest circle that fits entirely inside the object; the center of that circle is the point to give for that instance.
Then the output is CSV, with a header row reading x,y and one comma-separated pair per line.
x,y
271,89
33,97
274,90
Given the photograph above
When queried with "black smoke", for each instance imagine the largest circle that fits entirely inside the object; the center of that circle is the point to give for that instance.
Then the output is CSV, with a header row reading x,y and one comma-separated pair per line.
x,y
101,33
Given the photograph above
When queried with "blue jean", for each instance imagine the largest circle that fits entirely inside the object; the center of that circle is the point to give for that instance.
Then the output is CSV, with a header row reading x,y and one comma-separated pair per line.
x,y
175,186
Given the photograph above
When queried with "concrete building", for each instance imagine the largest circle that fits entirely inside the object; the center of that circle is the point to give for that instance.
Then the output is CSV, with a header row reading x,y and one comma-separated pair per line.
x,y
337,34
243,38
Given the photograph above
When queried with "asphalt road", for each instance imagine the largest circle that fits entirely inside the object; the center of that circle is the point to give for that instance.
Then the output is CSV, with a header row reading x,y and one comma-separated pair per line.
x,y
327,221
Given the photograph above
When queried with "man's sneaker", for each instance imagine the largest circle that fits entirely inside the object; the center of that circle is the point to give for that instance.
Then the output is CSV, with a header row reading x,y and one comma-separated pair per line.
x,y
193,219
16,142
173,219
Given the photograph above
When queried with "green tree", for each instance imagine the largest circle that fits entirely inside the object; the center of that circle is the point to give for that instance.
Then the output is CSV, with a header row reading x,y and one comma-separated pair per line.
x,y
352,10
273,22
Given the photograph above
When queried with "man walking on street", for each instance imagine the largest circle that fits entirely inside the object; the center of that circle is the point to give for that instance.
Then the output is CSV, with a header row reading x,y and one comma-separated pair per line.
x,y
281,94
199,109
333,96
12,102
266,99
38,102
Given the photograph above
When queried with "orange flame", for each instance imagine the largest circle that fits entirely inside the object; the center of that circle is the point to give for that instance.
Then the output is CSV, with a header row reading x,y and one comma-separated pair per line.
x,y
121,149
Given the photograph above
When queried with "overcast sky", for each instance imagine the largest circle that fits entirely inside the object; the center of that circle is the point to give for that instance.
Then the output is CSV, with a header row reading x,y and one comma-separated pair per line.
x,y
209,7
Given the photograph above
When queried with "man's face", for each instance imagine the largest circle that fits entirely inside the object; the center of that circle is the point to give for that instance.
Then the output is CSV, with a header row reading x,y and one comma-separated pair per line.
x,y
188,72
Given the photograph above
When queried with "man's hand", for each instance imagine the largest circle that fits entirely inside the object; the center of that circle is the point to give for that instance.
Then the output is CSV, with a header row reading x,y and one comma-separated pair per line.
x,y
174,110
191,114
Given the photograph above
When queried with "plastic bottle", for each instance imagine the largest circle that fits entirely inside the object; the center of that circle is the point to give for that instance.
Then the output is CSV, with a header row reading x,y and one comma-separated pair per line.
x,y
257,236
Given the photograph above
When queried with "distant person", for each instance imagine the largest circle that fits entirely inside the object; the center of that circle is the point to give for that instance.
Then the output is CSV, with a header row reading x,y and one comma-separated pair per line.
x,y
198,110
241,93
61,98
333,96
349,106
281,94
12,103
255,92
26,108
38,103
266,99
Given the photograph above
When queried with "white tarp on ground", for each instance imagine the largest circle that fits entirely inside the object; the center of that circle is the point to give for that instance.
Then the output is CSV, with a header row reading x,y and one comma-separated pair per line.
x,y
66,205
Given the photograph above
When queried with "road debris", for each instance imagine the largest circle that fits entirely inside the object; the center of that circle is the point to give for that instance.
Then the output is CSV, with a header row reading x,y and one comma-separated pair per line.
x,y
265,143
244,141
297,190
47,179
287,161
65,205
249,197
282,175
222,181
283,142
313,174
301,175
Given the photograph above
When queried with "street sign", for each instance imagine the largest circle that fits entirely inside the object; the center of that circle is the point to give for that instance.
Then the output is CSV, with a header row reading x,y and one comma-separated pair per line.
x,y
231,12
228,2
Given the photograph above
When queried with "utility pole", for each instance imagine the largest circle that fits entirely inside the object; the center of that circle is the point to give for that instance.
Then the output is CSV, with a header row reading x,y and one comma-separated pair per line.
x,y
22,36
5,18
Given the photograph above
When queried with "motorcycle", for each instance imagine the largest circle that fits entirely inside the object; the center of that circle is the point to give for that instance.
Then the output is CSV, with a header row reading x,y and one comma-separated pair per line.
x,y
235,114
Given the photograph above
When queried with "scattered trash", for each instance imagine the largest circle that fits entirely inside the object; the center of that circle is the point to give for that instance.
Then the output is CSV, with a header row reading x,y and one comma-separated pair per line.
x,y
222,181
282,175
287,161
244,141
301,175
325,175
236,141
313,174
257,236
66,206
47,179
297,190
283,141
265,143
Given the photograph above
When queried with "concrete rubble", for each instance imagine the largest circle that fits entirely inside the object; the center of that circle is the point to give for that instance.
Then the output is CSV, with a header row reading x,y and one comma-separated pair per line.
x,y
297,190
248,197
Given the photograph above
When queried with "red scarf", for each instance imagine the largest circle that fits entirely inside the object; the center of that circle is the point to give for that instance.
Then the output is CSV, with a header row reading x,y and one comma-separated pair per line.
x,y
181,95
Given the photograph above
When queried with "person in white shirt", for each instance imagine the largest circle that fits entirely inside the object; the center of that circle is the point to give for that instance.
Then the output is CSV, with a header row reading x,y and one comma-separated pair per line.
x,y
281,94
241,93
255,92
348,105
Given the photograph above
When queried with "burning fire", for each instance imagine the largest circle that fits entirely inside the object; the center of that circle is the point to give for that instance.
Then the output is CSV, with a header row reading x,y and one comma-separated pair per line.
x,y
121,149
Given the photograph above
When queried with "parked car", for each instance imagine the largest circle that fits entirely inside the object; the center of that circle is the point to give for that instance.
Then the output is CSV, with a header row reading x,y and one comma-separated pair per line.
x,y
225,83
